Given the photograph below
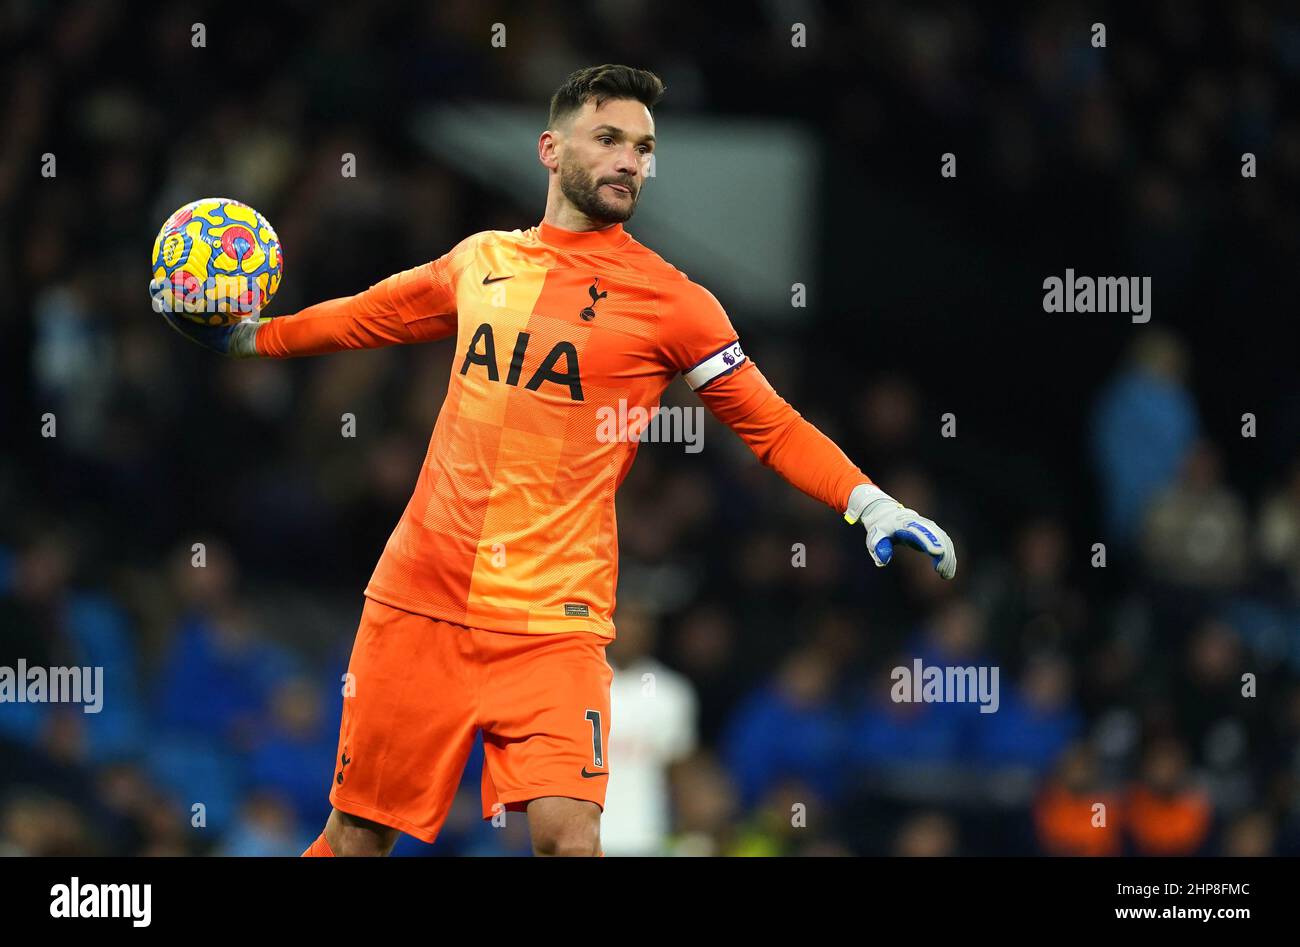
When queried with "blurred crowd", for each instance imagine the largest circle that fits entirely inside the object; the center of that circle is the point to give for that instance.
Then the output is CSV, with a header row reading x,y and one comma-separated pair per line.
x,y
201,530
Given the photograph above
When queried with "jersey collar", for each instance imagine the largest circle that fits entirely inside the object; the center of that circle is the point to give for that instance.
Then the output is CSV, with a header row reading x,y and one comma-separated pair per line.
x,y
606,239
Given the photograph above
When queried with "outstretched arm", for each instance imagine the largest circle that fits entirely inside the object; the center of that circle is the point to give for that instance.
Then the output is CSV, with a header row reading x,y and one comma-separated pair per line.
x,y
697,339
411,306
783,440
416,305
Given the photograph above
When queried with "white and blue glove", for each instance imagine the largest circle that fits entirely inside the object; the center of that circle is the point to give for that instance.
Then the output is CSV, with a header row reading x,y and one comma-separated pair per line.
x,y
234,341
887,522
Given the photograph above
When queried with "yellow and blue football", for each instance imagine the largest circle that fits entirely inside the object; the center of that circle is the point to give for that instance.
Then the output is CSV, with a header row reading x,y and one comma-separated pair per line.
x,y
216,261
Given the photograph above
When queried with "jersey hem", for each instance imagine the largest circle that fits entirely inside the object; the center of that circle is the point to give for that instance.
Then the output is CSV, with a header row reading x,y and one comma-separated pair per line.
x,y
487,623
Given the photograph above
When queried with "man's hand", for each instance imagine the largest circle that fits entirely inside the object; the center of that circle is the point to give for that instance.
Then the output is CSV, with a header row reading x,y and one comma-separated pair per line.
x,y
887,521
235,341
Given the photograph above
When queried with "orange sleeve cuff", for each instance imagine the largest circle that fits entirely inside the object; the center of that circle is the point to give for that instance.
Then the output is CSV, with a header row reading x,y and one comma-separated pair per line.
x,y
781,438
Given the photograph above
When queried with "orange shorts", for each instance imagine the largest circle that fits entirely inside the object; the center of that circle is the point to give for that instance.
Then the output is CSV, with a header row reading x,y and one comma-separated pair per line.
x,y
424,687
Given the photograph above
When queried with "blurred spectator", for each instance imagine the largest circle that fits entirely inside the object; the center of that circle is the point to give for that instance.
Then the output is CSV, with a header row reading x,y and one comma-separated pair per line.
x,y
1035,720
219,676
656,709
37,825
1166,813
1251,835
1195,534
1143,424
131,805
927,835
788,728
892,738
887,418
1034,606
47,623
1209,687
294,755
704,649
1075,814
266,827
706,807
789,820
1279,531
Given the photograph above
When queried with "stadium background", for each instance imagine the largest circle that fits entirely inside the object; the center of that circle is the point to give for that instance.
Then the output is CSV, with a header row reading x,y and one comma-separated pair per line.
x,y
1120,685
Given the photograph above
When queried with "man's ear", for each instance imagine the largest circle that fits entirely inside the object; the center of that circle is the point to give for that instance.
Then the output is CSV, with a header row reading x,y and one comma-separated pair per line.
x,y
548,146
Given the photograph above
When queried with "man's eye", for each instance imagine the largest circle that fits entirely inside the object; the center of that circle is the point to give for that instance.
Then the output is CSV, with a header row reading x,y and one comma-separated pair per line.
x,y
604,138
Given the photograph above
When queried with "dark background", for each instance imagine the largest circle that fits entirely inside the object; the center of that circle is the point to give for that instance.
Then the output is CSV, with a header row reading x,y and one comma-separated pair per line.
x,y
927,299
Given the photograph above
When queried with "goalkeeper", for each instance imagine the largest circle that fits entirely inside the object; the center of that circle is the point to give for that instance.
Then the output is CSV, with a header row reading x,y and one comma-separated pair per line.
x,y
491,606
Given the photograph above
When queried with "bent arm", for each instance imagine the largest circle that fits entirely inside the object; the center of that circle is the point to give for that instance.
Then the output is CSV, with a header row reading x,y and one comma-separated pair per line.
x,y
781,438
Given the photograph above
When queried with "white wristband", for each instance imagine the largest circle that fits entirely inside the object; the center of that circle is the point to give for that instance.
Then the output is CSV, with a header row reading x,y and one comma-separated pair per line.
x,y
243,340
863,495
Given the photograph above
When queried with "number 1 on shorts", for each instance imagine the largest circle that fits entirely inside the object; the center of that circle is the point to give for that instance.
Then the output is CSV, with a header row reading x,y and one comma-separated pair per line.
x,y
597,755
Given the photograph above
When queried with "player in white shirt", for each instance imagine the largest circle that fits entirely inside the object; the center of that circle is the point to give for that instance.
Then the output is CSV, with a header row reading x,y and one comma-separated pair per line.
x,y
656,710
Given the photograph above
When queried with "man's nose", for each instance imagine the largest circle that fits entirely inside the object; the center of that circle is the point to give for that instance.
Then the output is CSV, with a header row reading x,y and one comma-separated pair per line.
x,y
629,162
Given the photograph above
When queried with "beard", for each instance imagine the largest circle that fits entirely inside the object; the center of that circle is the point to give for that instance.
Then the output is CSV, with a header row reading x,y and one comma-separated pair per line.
x,y
583,192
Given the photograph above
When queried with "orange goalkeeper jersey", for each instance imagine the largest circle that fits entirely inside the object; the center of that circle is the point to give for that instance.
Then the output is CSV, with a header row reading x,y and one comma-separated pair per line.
x,y
511,526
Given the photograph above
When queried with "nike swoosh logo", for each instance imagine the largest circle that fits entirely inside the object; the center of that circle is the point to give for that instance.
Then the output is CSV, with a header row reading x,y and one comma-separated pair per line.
x,y
587,775
495,279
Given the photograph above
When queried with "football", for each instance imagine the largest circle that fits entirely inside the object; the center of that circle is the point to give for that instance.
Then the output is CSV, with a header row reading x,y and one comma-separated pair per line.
x,y
216,261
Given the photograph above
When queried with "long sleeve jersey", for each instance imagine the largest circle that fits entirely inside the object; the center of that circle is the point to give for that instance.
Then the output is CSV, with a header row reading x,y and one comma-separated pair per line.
x,y
511,526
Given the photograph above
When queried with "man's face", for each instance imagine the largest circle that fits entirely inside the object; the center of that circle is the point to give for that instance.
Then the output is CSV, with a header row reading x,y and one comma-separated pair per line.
x,y
604,156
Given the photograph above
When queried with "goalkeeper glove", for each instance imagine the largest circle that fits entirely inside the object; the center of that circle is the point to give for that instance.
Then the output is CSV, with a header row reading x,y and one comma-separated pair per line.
x,y
887,521
235,341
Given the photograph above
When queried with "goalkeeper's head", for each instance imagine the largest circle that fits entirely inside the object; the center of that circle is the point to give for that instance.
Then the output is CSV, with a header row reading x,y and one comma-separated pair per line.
x,y
599,140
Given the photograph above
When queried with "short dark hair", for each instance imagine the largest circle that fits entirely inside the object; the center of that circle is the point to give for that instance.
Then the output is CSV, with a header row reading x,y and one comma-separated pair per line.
x,y
604,83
